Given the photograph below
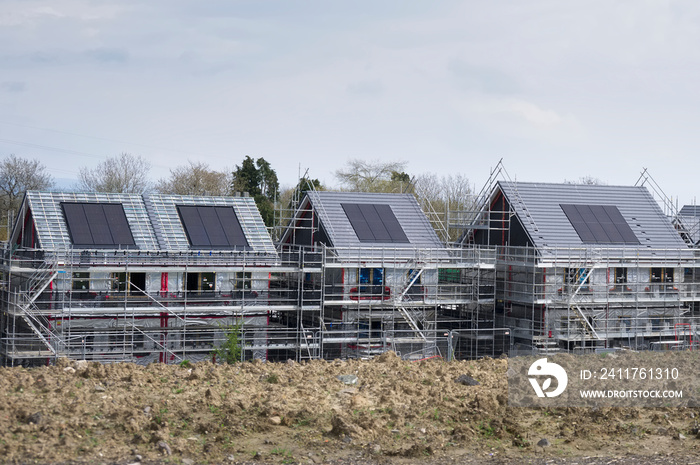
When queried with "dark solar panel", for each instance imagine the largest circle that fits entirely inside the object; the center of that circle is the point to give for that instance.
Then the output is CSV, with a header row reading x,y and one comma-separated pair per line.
x,y
374,223
97,225
358,222
99,229
599,224
78,228
119,226
232,227
212,227
391,224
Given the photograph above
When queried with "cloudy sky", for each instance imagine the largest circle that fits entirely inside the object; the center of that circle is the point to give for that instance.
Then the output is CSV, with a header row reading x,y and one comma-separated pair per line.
x,y
559,90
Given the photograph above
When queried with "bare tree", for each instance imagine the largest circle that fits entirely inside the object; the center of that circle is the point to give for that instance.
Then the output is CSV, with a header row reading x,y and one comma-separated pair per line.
x,y
194,179
587,180
372,176
18,175
125,173
446,200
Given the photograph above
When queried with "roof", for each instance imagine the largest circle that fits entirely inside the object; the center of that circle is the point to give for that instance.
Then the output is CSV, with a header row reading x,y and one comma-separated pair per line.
x,y
690,210
52,228
343,237
172,235
539,208
153,219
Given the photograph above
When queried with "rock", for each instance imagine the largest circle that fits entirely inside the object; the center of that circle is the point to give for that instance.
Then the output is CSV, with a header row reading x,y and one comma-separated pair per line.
x,y
187,462
35,418
69,370
467,380
544,442
376,449
134,463
164,448
100,388
342,427
681,436
231,458
80,364
147,409
348,379
138,458
347,439
276,420
395,431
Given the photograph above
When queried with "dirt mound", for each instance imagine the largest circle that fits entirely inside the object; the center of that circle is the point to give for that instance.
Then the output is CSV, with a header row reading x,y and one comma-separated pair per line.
x,y
385,409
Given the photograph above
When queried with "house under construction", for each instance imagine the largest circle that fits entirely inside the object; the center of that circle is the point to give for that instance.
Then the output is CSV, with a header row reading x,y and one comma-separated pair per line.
x,y
143,278
538,268
584,267
389,283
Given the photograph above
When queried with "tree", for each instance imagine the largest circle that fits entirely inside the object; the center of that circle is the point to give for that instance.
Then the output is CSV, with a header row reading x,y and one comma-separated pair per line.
x,y
369,176
260,181
18,175
446,200
194,179
587,180
291,196
125,173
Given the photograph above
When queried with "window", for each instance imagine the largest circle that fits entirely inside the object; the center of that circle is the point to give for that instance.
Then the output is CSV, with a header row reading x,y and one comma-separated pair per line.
x,y
136,282
81,281
374,276
198,283
620,275
625,322
410,274
449,276
662,275
243,280
577,276
657,322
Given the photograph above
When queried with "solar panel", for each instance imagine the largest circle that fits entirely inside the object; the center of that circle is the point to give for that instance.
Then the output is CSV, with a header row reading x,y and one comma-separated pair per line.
x,y
599,224
232,227
212,227
97,225
391,224
374,223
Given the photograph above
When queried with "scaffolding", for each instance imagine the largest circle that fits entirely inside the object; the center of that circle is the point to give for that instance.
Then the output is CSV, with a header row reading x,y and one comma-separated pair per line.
x,y
591,298
155,306
576,300
476,297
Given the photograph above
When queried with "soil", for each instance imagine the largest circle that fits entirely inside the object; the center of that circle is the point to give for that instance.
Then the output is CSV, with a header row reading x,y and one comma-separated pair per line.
x,y
397,412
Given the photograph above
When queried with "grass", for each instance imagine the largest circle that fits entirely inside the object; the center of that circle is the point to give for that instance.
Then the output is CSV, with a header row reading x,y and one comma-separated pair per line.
x,y
486,430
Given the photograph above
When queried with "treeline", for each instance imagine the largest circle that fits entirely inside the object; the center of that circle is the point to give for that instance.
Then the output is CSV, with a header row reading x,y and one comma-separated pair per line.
x,y
127,173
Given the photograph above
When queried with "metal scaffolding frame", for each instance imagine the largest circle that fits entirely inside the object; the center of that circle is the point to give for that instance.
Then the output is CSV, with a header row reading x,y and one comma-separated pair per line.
x,y
155,306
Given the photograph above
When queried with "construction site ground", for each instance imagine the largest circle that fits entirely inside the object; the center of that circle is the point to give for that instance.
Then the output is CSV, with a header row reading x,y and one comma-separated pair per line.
x,y
397,412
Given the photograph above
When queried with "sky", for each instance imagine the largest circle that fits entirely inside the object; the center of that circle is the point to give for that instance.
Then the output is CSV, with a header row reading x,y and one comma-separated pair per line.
x,y
557,90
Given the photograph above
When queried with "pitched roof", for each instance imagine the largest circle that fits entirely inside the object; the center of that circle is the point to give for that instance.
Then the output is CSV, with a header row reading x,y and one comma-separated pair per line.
x,y
539,208
52,228
153,220
172,235
343,237
690,210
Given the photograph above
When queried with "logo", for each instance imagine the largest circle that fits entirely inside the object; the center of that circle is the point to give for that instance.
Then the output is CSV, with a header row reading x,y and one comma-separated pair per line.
x,y
551,370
